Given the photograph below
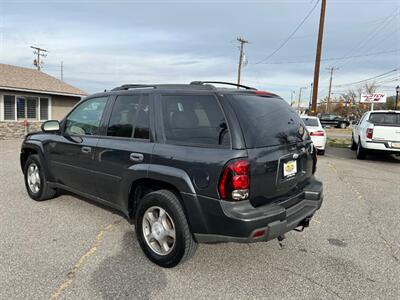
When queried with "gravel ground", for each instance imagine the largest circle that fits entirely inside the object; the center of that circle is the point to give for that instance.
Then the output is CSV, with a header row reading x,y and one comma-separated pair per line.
x,y
69,248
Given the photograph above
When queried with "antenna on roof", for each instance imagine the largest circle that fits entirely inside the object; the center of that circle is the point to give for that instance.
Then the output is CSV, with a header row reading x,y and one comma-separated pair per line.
x,y
62,71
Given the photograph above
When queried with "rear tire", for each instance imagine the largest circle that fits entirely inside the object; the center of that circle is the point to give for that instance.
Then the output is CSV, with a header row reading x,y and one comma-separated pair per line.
x,y
180,248
361,152
36,181
321,152
353,143
343,125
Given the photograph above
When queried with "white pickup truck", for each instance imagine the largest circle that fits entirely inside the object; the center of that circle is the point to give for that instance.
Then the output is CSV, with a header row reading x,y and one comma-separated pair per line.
x,y
377,131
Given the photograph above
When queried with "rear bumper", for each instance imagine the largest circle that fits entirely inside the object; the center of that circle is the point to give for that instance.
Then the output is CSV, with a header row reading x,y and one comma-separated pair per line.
x,y
380,146
319,142
222,221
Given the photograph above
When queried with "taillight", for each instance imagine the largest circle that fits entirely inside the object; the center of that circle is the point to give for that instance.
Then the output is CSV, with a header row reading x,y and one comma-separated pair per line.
x,y
235,180
317,133
370,133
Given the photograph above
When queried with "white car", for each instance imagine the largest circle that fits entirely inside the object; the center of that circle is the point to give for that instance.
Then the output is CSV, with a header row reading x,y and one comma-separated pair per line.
x,y
377,131
317,133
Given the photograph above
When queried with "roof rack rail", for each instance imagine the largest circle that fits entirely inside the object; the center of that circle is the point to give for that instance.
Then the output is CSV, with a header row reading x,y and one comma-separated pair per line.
x,y
133,86
223,82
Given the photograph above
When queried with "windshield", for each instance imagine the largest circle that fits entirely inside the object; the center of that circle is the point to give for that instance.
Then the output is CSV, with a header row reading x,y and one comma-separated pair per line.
x,y
266,121
385,118
311,122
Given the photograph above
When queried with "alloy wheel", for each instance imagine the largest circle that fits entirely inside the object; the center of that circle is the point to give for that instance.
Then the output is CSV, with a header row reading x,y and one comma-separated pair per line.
x,y
33,178
159,230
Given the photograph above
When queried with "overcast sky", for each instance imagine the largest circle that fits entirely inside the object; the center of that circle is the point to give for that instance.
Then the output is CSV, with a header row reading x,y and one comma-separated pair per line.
x,y
107,43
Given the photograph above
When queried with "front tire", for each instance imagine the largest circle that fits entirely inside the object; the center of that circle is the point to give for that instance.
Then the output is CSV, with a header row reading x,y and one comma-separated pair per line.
x,y
36,181
162,229
343,125
321,152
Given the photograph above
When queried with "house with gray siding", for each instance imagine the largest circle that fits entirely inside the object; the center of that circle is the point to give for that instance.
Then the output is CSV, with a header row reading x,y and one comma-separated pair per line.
x,y
28,97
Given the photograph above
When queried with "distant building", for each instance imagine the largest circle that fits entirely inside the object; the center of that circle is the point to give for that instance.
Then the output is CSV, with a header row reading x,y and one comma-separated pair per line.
x,y
28,97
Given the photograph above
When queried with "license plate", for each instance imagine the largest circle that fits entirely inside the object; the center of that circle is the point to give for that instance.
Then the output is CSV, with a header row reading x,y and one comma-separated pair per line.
x,y
289,168
396,145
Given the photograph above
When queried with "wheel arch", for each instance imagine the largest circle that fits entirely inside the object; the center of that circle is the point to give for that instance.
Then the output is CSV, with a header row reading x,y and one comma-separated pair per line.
x,y
34,148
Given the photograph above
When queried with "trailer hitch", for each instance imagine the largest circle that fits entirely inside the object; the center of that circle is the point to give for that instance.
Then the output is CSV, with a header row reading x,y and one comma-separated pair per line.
x,y
280,239
303,224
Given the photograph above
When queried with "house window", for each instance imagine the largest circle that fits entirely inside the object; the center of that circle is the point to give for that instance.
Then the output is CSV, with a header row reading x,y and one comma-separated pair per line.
x,y
9,107
44,108
25,107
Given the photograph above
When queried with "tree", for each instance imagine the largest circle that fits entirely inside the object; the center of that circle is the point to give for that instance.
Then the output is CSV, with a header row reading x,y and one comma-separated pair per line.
x,y
370,88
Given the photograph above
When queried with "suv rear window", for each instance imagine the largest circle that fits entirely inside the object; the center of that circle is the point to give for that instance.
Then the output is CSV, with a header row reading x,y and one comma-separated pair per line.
x,y
266,121
194,119
385,118
311,122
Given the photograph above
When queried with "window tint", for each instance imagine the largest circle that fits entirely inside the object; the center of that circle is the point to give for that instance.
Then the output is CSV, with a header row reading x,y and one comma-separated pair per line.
x,y
266,121
385,118
129,112
194,119
142,125
85,118
311,122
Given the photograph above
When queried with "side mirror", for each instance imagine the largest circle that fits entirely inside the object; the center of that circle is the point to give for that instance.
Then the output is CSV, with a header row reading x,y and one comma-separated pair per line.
x,y
51,126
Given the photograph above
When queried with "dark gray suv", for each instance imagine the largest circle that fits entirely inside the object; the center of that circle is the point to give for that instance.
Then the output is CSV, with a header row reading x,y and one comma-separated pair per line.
x,y
188,164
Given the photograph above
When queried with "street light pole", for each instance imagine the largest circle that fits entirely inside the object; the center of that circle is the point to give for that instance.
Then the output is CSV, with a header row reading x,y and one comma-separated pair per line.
x,y
397,97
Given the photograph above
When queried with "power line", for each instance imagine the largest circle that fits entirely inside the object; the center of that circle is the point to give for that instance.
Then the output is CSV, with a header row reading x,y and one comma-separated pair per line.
x,y
333,58
372,35
291,35
368,79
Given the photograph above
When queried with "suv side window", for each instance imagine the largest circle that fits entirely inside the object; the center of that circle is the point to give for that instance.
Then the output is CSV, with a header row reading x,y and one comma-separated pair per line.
x,y
194,119
130,117
85,118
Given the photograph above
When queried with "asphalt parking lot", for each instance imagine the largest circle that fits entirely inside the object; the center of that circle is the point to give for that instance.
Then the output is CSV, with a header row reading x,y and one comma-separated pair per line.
x,y
69,248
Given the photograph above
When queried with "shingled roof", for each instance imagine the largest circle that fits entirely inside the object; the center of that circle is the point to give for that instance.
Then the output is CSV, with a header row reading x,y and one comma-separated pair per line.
x,y
25,79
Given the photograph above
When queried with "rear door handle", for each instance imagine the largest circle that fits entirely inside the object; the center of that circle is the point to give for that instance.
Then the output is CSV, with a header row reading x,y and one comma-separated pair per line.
x,y
86,149
137,157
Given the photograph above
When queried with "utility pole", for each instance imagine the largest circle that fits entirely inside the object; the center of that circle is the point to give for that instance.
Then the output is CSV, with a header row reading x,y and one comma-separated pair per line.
x,y
242,42
331,69
62,71
310,102
40,53
318,58
291,97
302,88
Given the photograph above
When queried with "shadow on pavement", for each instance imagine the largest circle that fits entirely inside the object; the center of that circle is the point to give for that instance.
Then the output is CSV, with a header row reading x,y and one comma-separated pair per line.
x,y
349,154
128,274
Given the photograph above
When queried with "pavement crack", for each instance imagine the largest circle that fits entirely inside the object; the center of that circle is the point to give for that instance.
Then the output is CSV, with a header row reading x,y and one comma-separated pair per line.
x,y
325,288
72,272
